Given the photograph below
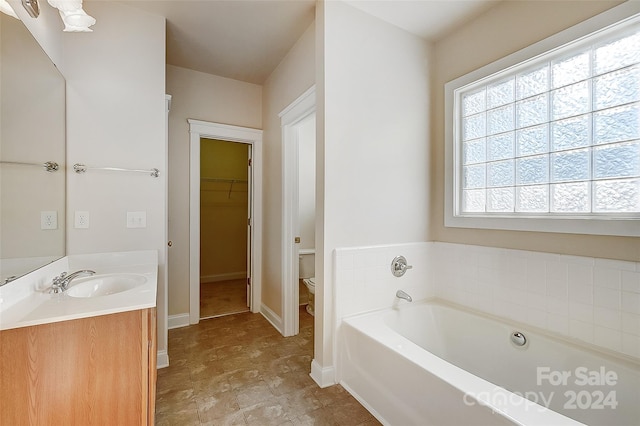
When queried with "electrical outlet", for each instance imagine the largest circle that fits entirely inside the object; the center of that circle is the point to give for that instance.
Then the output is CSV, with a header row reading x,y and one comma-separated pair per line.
x,y
49,220
136,219
81,220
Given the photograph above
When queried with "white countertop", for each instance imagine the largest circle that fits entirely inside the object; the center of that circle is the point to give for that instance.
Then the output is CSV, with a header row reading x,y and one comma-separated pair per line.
x,y
27,300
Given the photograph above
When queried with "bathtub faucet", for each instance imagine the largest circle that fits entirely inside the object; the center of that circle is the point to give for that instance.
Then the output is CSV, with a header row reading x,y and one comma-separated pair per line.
x,y
402,295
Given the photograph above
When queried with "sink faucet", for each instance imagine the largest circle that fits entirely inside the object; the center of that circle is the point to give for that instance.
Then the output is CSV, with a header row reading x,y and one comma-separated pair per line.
x,y
61,282
402,295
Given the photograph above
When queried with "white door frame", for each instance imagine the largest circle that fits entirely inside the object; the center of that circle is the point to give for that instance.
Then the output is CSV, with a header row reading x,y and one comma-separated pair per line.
x,y
293,115
163,296
203,129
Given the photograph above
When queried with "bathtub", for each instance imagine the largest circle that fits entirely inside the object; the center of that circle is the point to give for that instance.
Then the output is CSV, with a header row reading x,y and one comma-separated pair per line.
x,y
432,363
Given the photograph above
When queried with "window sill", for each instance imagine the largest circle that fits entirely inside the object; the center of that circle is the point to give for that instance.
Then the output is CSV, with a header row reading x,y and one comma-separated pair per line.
x,y
589,226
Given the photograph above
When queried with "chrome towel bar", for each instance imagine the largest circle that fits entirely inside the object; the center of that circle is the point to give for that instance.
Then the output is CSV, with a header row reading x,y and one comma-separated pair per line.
x,y
81,168
49,166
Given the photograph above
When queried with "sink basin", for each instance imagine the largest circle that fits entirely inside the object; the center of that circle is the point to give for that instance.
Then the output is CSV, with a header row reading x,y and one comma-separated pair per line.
x,y
104,285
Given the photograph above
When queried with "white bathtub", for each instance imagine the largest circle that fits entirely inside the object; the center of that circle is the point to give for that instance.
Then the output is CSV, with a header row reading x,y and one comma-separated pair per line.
x,y
431,363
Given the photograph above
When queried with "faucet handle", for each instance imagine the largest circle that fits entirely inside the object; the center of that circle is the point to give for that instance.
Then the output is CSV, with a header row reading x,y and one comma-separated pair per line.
x,y
58,283
399,266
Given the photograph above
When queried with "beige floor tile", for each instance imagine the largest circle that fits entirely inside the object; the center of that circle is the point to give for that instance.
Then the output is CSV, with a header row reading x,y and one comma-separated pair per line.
x,y
210,385
269,412
179,415
317,417
238,370
233,419
223,298
218,406
255,392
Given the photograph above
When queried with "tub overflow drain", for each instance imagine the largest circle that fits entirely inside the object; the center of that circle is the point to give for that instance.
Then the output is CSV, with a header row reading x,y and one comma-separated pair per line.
x,y
518,338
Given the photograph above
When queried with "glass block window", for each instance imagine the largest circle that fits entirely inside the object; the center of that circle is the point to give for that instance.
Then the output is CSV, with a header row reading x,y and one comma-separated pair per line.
x,y
557,135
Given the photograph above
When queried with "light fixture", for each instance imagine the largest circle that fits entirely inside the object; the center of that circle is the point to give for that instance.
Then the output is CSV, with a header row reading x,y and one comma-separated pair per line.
x,y
74,17
7,9
32,7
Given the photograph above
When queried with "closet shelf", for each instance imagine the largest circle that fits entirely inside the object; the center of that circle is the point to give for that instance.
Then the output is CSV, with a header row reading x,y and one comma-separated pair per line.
x,y
220,180
231,182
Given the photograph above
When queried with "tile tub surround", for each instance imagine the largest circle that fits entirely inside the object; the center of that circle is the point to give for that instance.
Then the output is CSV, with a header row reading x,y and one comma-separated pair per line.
x,y
593,300
363,279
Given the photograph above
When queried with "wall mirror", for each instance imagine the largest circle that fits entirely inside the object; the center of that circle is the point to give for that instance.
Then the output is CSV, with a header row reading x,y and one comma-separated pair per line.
x,y
32,145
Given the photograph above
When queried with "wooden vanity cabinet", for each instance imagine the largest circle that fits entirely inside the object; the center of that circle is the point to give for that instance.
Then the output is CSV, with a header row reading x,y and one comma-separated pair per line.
x,y
91,371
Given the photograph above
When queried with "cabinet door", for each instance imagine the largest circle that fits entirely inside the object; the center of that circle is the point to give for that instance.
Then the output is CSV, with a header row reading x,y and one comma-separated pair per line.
x,y
90,371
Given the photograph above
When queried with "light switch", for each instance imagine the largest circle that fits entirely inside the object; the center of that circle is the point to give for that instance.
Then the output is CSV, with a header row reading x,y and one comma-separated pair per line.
x,y
48,220
136,219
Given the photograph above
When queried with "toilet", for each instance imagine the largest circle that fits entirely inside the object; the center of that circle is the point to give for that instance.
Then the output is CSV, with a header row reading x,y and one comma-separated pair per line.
x,y
306,272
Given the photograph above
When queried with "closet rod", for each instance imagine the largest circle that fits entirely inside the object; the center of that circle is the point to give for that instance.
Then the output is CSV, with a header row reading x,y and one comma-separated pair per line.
x,y
220,180
81,168
206,179
49,166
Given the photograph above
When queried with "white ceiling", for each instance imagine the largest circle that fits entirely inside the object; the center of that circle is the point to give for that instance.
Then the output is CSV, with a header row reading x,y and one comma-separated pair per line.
x,y
246,39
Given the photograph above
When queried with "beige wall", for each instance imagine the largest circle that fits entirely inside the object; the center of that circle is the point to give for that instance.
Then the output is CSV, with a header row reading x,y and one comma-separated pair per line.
x,y
223,210
115,117
209,98
504,29
293,76
373,144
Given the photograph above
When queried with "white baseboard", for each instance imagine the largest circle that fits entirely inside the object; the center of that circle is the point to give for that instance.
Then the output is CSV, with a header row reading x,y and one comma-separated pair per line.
x,y
271,316
323,376
163,359
223,277
177,321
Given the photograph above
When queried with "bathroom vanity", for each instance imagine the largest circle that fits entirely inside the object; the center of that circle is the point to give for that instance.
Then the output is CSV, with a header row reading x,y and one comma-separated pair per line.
x,y
84,356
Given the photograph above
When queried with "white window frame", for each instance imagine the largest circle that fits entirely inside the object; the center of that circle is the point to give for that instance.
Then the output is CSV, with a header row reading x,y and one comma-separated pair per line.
x,y
597,225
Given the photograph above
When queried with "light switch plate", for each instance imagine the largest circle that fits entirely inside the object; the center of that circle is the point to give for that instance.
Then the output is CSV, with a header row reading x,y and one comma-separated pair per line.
x,y
136,219
48,220
81,220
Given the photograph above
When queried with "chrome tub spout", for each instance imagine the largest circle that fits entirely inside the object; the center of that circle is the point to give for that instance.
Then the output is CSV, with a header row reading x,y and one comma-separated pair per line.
x,y
402,295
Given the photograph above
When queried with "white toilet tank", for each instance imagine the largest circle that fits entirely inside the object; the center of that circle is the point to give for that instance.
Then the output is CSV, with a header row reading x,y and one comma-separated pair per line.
x,y
307,263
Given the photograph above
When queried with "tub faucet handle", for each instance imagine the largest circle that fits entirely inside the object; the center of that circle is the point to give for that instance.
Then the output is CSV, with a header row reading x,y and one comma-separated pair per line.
x,y
399,266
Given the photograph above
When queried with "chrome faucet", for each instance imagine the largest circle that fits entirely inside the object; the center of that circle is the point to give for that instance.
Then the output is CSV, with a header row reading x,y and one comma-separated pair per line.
x,y
61,282
402,295
399,266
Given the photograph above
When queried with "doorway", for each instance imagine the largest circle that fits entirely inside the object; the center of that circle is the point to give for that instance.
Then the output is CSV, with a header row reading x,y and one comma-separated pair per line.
x,y
253,138
224,214
294,119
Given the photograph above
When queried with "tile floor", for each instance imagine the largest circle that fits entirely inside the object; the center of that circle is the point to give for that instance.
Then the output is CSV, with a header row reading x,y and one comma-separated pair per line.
x,y
238,370
223,298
